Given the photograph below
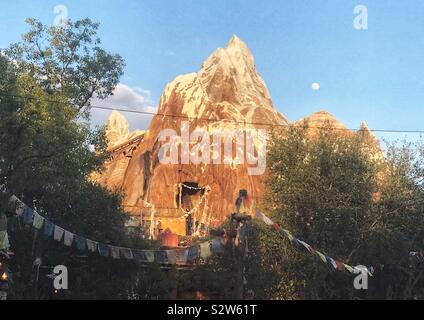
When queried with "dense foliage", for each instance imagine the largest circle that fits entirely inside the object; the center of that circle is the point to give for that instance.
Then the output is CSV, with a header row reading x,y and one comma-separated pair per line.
x,y
48,152
337,192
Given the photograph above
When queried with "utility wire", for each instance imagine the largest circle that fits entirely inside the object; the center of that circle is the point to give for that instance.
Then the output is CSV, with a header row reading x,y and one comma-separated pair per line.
x,y
132,110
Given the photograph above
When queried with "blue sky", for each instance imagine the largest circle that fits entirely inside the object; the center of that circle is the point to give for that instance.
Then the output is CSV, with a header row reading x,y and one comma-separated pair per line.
x,y
374,75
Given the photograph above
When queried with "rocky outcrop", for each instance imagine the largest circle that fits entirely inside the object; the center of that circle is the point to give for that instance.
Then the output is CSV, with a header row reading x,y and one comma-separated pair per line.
x,y
320,120
117,130
121,143
226,94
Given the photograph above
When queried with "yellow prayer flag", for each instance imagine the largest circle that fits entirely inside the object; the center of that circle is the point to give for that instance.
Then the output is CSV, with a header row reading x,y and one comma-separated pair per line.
x,y
321,256
348,268
288,234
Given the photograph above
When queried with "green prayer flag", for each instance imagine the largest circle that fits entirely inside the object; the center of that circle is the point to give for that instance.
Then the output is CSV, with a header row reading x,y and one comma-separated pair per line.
x,y
4,241
91,245
150,255
38,221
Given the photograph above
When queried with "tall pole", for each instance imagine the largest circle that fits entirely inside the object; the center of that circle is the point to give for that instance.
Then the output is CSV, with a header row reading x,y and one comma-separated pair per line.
x,y
239,256
238,247
238,223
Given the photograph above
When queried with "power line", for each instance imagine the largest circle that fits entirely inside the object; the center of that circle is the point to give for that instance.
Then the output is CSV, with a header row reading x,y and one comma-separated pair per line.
x,y
251,123
132,110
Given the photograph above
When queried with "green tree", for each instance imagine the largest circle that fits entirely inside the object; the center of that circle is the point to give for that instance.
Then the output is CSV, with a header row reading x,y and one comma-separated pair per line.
x,y
48,153
47,160
68,59
396,226
336,192
320,187
153,283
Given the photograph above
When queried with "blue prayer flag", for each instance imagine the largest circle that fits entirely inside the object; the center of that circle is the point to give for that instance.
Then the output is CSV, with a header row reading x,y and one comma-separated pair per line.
x,y
48,228
80,242
103,249
28,215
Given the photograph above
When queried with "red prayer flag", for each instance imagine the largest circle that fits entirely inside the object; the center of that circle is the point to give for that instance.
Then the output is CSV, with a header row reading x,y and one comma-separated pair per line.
x,y
340,265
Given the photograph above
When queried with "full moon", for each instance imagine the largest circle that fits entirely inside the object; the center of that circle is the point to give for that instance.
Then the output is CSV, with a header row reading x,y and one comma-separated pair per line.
x,y
315,86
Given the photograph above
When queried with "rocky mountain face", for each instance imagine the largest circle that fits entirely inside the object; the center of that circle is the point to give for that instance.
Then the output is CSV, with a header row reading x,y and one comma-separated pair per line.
x,y
323,119
117,130
226,94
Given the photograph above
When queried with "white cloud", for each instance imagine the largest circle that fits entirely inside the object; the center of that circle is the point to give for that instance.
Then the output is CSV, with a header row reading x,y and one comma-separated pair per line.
x,y
125,97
